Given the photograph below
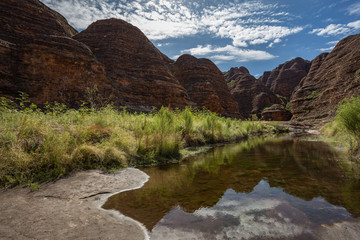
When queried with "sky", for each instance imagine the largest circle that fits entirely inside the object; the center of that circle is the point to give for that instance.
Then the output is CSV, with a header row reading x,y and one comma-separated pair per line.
x,y
257,34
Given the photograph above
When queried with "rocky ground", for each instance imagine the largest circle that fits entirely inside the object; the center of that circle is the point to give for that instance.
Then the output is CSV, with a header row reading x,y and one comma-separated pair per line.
x,y
70,208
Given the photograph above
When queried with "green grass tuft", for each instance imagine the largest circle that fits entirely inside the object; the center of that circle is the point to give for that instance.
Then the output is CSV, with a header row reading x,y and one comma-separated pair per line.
x,y
39,145
346,126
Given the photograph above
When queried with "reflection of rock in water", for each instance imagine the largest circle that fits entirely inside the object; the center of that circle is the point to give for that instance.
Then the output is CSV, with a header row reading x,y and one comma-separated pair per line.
x,y
304,169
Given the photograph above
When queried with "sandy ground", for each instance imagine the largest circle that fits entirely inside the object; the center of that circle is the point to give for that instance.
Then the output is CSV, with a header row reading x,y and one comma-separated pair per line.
x,y
70,208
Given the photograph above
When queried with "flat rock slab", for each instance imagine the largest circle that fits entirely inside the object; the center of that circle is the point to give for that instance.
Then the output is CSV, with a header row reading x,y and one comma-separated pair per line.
x,y
70,208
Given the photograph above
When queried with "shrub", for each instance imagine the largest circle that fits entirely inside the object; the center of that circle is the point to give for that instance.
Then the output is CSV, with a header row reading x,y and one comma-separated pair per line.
x,y
313,95
348,115
87,156
114,159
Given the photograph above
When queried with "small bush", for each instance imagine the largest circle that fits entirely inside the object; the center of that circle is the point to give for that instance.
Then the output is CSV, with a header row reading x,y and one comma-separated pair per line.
x,y
114,159
313,95
87,157
348,115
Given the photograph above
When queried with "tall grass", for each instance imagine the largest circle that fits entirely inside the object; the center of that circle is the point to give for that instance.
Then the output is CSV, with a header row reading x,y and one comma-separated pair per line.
x,y
38,145
348,115
346,126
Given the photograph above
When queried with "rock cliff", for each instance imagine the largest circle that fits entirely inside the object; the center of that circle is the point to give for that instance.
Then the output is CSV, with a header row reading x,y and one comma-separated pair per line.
x,y
332,78
205,85
315,64
251,94
137,71
42,55
284,79
39,57
235,72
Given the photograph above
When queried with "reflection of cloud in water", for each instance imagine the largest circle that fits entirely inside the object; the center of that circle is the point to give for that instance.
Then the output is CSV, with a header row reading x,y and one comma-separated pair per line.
x,y
264,213
256,218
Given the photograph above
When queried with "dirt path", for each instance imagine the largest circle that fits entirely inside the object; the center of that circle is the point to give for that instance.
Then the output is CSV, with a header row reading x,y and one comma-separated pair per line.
x,y
70,208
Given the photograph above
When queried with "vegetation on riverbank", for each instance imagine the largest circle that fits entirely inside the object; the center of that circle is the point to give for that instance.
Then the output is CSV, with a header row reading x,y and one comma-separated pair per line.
x,y
345,129
38,145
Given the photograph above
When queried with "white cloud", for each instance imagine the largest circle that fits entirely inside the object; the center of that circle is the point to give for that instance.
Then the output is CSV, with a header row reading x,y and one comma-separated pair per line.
x,y
332,43
258,41
274,42
255,34
354,9
245,23
163,44
329,49
228,53
337,29
329,20
332,29
223,58
355,24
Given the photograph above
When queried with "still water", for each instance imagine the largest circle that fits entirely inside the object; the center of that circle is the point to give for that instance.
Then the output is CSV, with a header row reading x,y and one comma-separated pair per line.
x,y
258,189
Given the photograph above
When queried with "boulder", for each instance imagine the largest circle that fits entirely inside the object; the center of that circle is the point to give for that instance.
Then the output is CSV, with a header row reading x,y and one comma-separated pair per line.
x,y
276,112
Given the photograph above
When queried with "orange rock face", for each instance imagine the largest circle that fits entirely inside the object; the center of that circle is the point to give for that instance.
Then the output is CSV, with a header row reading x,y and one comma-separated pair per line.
x,y
284,79
39,57
251,95
135,68
332,78
205,85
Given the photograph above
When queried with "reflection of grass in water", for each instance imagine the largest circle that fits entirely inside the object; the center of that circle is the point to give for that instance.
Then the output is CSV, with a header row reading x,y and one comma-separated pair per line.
x,y
350,168
225,155
301,168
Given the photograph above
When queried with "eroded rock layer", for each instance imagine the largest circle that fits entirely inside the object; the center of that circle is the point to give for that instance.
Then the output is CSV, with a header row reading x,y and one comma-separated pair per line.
x,y
205,85
137,71
284,79
251,95
332,78
39,57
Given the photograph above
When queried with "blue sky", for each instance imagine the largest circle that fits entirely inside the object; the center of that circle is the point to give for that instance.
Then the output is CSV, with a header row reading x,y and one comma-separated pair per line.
x,y
258,34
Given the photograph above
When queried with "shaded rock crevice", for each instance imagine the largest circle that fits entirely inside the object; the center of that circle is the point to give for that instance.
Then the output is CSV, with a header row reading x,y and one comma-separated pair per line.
x,y
251,95
285,78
